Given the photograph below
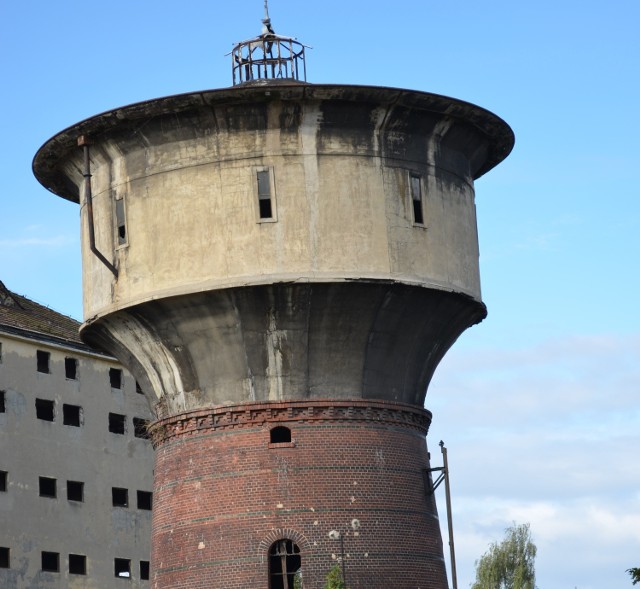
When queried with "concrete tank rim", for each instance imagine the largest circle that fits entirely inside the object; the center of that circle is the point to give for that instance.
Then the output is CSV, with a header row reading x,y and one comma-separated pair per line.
x,y
266,281
55,149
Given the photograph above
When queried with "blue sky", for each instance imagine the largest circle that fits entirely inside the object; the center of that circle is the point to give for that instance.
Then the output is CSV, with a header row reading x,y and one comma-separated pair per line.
x,y
540,404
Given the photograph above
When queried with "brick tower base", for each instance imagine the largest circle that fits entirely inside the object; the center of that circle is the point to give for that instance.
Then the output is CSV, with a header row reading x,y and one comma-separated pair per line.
x,y
247,494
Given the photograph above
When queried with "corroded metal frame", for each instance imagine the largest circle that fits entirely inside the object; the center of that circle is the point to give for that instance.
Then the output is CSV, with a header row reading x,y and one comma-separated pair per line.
x,y
268,57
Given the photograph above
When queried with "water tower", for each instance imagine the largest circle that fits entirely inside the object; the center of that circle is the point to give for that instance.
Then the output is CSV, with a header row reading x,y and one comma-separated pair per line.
x,y
282,266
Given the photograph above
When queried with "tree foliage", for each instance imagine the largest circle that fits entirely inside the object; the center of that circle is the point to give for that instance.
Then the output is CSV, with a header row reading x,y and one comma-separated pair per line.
x,y
635,574
334,578
509,564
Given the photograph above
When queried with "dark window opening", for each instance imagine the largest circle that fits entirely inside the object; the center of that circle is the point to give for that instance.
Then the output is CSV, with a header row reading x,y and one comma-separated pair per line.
x,y
70,368
75,491
5,560
47,487
0,352
45,409
264,195
120,222
77,564
119,497
144,570
4,475
141,428
139,388
3,406
284,563
145,499
51,562
117,423
122,568
416,199
72,415
115,378
43,361
280,434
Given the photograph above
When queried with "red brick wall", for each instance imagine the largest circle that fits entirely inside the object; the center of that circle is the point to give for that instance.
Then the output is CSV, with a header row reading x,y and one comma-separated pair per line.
x,y
224,494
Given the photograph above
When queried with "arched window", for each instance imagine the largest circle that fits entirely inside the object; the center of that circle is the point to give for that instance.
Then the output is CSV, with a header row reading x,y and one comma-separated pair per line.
x,y
284,562
280,434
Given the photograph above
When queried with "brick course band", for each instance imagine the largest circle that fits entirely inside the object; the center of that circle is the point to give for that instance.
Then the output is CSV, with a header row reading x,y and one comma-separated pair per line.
x,y
249,415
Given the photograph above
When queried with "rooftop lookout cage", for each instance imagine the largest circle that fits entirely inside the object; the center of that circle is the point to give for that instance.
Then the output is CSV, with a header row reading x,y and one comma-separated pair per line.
x,y
268,57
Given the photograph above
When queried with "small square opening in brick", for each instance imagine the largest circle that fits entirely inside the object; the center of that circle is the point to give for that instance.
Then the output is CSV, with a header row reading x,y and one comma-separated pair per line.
x,y
280,435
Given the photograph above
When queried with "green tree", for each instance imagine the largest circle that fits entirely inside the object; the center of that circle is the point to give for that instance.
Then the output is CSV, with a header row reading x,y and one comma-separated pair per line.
x,y
635,574
509,564
334,579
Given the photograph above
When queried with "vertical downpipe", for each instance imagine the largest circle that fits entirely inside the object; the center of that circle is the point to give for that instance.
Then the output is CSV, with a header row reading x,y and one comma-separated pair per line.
x,y
86,173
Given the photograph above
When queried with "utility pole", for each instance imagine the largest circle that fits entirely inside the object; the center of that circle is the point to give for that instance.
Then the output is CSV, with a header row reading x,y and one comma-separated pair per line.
x,y
444,476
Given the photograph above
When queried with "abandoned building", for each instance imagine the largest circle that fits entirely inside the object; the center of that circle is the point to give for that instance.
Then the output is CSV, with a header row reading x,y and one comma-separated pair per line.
x,y
281,266
75,459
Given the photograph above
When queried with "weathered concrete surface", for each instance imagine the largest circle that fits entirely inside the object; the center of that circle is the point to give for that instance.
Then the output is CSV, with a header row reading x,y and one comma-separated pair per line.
x,y
340,158
288,341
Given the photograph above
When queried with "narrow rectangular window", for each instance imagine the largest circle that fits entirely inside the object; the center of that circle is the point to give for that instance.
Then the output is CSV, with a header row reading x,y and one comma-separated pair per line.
x,y
3,406
115,378
71,368
117,423
75,491
122,567
144,570
45,409
77,564
43,361
264,194
145,500
141,428
51,562
121,225
119,497
47,487
3,481
139,388
416,199
72,415
5,557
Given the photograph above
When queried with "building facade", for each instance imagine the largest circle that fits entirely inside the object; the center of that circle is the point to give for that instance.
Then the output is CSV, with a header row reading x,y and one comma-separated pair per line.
x,y
75,458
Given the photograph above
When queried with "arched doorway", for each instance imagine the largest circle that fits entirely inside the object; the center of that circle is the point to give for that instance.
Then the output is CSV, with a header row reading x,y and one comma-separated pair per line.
x,y
284,563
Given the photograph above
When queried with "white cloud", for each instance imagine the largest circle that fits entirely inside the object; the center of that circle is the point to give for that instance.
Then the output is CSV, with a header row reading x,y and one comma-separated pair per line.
x,y
548,435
